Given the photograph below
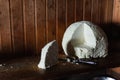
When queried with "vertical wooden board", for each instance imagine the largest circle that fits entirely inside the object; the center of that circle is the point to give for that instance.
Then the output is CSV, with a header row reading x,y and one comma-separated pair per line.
x,y
118,13
40,22
70,12
99,12
103,11
0,44
29,26
87,10
5,26
109,11
61,21
79,10
115,11
17,26
95,12
51,20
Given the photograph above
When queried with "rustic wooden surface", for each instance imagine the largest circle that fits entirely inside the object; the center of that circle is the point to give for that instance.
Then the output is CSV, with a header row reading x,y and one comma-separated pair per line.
x,y
40,24
17,28
61,21
79,10
51,20
5,29
114,72
87,9
116,11
26,26
25,68
29,26
70,14
96,18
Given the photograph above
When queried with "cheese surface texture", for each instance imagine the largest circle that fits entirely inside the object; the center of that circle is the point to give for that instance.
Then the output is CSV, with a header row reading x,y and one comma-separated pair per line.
x,y
84,40
49,55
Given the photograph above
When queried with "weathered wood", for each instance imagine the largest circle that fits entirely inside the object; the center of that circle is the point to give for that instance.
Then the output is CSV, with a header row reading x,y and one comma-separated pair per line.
x,y
70,12
61,21
26,69
87,10
5,26
0,44
109,11
17,26
106,11
29,26
51,20
40,23
103,11
116,11
95,12
115,72
79,10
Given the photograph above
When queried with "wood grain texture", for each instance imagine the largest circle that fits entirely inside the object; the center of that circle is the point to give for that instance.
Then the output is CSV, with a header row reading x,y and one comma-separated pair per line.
x,y
103,11
79,10
5,26
40,22
116,11
106,11
51,20
29,25
61,21
26,69
109,10
0,44
95,12
114,72
17,26
87,10
70,12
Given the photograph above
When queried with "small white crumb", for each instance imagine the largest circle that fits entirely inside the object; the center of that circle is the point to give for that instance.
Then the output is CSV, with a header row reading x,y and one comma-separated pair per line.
x,y
74,61
1,65
77,63
68,60
11,66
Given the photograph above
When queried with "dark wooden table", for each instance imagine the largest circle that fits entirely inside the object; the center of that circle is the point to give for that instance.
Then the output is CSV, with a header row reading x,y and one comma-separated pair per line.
x,y
25,68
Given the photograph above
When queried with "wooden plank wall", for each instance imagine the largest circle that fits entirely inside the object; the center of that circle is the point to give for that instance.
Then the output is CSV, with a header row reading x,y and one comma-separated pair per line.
x,y
116,26
27,25
116,11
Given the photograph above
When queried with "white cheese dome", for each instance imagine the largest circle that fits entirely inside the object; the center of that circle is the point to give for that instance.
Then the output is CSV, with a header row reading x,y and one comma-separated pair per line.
x,y
84,40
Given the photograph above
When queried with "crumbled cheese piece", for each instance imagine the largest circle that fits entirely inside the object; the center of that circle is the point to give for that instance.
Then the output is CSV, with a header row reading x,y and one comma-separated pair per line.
x,y
49,55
